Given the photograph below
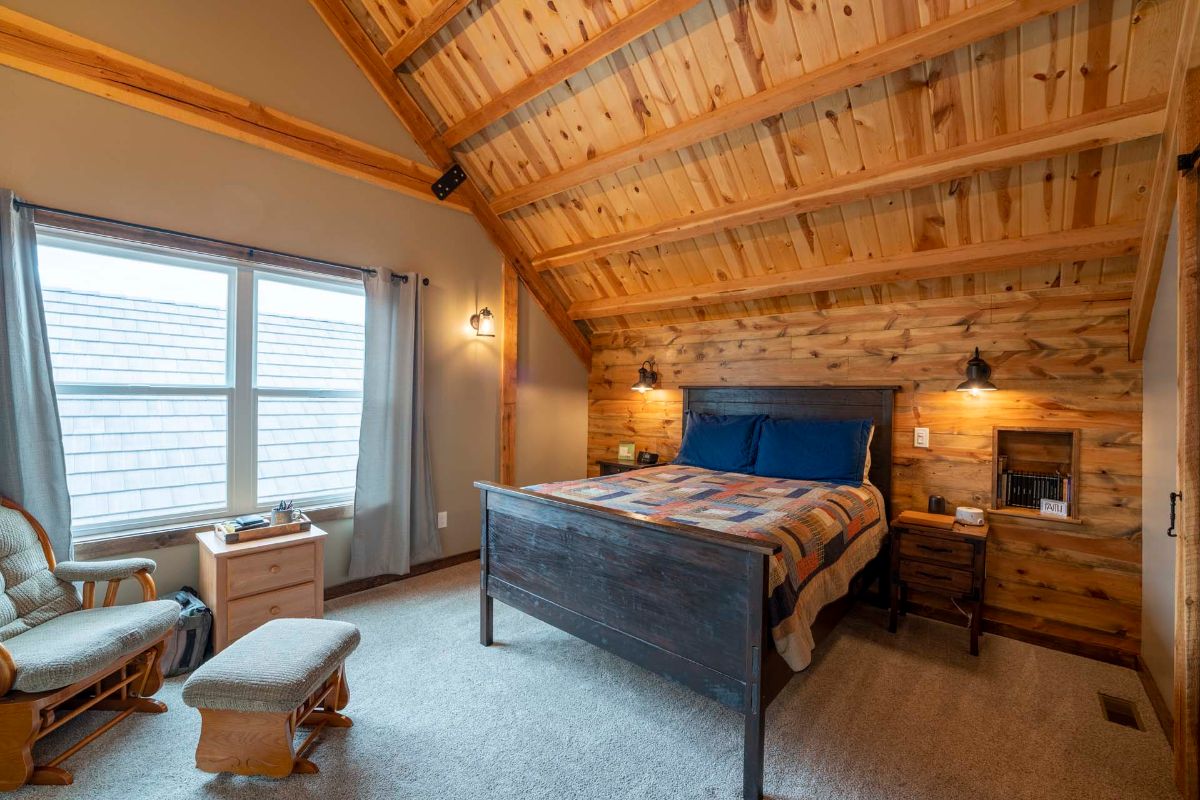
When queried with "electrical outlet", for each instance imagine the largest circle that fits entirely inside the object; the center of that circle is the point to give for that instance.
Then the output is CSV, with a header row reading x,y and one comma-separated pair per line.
x,y
442,519
921,437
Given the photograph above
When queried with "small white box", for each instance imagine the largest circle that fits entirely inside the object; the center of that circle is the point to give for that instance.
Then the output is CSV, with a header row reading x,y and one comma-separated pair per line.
x,y
1055,508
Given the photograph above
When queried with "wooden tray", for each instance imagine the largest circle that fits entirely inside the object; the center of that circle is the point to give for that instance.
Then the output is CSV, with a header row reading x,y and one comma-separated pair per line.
x,y
234,537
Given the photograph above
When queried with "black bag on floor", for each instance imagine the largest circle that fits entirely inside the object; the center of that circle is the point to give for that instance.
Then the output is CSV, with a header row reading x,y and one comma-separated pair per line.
x,y
187,645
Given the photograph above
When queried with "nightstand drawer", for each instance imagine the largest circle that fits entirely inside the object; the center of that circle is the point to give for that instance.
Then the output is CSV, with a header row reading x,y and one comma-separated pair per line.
x,y
260,572
931,548
936,576
248,613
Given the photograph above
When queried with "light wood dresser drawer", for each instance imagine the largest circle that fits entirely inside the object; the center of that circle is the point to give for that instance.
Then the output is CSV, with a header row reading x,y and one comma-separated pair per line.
x,y
261,572
246,614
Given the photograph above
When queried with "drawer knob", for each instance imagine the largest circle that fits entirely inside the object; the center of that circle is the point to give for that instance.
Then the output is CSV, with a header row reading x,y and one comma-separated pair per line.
x,y
274,569
275,611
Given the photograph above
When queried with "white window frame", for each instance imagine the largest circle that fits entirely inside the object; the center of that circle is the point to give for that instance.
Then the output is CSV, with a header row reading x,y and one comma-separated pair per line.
x,y
255,276
239,388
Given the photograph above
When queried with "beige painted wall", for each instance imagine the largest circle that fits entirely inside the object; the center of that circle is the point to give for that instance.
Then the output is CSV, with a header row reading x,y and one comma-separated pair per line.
x,y
64,148
551,410
1159,442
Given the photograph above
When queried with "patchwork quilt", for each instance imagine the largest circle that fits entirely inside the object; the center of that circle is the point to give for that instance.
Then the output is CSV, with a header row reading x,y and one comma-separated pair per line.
x,y
828,531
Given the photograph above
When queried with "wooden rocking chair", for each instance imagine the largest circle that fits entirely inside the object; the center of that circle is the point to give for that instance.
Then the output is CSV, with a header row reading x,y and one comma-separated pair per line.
x,y
60,656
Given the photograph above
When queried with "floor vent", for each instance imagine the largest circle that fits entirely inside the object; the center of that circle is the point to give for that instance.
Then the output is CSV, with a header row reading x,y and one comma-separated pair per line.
x,y
1120,711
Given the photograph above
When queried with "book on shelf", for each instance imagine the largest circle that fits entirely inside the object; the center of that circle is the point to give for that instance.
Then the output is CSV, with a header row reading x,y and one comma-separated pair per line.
x,y
1021,489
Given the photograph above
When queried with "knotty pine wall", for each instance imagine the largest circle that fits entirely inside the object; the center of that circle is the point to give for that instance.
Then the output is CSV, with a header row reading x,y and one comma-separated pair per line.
x,y
1060,360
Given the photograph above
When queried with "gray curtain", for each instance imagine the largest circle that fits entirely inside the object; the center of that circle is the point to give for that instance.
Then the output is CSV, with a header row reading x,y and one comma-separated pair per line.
x,y
33,471
394,525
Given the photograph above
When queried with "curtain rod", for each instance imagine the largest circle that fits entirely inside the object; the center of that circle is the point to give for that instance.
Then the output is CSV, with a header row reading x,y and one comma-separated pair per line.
x,y
110,221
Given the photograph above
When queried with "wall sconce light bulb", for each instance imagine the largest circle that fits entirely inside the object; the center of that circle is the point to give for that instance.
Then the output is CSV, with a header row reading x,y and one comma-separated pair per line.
x,y
484,322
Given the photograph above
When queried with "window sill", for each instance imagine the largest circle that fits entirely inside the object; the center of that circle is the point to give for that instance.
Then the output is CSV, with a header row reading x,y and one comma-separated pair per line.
x,y
120,544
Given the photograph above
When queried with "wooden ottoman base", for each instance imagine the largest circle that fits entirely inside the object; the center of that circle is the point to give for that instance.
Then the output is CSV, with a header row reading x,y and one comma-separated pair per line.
x,y
262,743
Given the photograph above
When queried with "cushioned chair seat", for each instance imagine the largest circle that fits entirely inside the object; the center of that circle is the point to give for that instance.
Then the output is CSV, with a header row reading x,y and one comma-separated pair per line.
x,y
274,668
72,646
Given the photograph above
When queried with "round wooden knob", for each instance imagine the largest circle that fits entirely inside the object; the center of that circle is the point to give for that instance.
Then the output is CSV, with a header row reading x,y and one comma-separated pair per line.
x,y
274,569
275,610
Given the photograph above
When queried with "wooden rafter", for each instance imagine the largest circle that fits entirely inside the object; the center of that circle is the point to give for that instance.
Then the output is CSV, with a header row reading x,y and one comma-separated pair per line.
x,y
423,31
1080,244
348,31
612,38
1161,203
40,49
1120,123
986,19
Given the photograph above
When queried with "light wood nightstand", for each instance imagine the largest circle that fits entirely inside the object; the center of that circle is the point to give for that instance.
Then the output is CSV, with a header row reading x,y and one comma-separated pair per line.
x,y
250,583
936,554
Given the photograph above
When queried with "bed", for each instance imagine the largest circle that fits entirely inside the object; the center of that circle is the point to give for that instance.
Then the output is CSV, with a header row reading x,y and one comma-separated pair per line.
x,y
598,571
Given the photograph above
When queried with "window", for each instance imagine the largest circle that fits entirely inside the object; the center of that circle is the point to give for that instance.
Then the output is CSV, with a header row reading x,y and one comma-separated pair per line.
x,y
308,374
192,387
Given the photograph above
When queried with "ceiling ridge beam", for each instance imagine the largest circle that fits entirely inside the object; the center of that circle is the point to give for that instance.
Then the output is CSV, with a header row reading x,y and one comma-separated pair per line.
x,y
770,320
986,19
40,49
425,29
1125,122
1080,244
1161,204
349,32
607,41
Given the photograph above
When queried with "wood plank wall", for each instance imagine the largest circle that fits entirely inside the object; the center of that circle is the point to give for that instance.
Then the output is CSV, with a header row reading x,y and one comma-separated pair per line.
x,y
1060,359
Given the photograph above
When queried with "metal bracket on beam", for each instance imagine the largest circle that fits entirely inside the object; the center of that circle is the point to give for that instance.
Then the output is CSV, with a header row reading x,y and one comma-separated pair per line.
x,y
444,186
1186,162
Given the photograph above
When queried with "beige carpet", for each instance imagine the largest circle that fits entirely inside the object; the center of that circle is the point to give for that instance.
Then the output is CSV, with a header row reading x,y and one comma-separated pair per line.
x,y
544,715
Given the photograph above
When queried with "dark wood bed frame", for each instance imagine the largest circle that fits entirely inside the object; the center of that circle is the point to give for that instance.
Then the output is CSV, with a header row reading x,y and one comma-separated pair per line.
x,y
600,574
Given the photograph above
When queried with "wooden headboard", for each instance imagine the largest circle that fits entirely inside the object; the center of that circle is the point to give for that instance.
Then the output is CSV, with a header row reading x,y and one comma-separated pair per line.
x,y
810,402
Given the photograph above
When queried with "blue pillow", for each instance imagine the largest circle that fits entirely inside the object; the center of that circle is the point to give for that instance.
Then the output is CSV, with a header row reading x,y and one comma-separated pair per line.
x,y
721,443
834,451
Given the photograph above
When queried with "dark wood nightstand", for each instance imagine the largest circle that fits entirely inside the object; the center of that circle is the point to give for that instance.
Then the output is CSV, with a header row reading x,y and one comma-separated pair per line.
x,y
615,466
935,554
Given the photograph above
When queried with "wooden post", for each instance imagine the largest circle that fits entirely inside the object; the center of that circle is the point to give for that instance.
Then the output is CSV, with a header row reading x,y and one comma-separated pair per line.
x,y
758,632
485,600
509,291
1187,562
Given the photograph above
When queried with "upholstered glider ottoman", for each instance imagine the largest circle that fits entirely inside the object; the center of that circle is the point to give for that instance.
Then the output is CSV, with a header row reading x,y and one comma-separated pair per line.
x,y
253,695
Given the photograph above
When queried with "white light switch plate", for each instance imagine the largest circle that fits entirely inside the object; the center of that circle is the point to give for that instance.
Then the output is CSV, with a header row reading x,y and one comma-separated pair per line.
x,y
921,437
442,519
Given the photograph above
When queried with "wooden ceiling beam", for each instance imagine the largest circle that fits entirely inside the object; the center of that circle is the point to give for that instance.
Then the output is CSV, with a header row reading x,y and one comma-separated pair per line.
x,y
1161,203
32,46
442,12
352,37
612,38
1107,126
986,19
1080,244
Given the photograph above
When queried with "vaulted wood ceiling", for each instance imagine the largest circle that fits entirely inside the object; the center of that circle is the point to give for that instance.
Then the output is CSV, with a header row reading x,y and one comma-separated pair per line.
x,y
648,162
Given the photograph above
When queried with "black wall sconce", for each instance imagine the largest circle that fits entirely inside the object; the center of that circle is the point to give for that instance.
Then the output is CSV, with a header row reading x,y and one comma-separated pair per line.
x,y
483,322
978,376
647,377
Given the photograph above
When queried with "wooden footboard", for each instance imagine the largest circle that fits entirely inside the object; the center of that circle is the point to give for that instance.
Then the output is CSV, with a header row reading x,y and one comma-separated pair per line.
x,y
683,602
